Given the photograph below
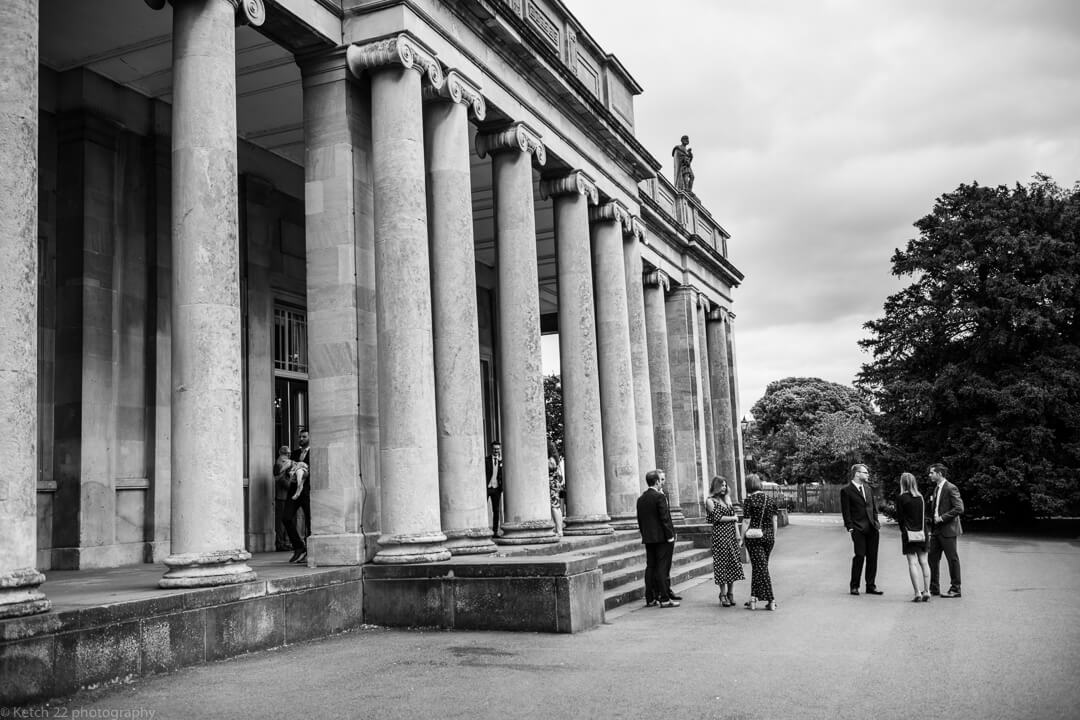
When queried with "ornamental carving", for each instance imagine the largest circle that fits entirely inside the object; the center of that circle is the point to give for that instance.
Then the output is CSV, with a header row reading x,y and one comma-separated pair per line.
x,y
251,12
613,211
718,314
658,278
571,50
704,303
638,229
402,49
518,136
573,182
459,89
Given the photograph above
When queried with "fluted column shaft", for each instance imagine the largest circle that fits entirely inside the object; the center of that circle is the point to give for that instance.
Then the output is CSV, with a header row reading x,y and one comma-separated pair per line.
x,y
616,371
704,367
656,285
459,407
686,406
583,442
639,352
721,398
521,386
408,448
736,412
19,578
207,496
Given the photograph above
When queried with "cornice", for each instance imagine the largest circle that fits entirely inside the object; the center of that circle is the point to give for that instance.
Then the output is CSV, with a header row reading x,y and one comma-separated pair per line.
x,y
401,49
573,182
662,226
518,136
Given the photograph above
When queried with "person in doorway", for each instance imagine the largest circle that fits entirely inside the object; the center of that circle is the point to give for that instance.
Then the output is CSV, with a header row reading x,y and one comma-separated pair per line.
x,y
494,465
860,512
726,563
759,536
299,499
658,536
282,468
947,507
911,517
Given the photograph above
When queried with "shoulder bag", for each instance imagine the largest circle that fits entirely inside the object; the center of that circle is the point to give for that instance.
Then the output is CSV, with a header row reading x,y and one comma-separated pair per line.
x,y
919,535
756,533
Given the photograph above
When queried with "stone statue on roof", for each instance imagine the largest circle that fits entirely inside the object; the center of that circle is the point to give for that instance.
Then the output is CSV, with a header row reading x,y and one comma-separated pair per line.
x,y
684,176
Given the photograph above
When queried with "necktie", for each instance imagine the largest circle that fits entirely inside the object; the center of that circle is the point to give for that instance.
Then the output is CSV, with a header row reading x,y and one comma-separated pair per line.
x,y
862,492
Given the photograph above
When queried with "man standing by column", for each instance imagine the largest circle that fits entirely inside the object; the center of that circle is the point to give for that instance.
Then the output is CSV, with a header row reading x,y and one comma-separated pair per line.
x,y
494,465
947,507
658,536
860,513
301,455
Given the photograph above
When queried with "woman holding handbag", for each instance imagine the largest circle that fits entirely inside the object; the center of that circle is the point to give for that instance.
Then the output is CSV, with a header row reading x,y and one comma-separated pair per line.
x,y
911,516
759,511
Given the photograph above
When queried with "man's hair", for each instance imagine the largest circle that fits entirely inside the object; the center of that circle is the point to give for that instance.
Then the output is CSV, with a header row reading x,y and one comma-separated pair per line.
x,y
652,477
753,483
940,470
854,468
494,443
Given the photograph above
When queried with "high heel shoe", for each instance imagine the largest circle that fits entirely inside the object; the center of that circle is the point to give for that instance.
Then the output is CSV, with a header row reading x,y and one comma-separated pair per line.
x,y
917,598
926,597
730,600
771,605
724,601
751,604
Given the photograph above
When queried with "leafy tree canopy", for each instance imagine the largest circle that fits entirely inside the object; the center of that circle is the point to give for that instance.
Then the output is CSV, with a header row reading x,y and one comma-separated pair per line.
x,y
553,407
811,430
977,362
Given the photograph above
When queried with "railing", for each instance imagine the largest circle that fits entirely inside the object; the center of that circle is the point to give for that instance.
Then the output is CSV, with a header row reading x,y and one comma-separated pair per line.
x,y
812,498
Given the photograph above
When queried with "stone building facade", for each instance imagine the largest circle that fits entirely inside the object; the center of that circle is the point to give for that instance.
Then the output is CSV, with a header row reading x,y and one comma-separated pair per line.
x,y
224,220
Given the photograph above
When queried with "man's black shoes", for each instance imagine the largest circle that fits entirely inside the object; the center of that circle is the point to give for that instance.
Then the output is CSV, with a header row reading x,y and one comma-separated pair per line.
x,y
854,591
873,591
953,593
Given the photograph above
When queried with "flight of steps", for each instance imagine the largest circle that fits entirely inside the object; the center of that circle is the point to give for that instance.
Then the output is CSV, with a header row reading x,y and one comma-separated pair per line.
x,y
621,557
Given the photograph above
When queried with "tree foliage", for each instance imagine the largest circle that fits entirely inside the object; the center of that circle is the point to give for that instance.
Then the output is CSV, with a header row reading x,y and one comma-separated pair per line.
x,y
811,430
553,408
977,362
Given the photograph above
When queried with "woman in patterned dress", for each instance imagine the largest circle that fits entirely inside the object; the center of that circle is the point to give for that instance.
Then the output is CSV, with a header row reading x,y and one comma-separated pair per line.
x,y
759,511
726,564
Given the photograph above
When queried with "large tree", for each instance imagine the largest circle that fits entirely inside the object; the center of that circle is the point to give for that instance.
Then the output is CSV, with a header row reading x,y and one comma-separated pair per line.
x,y
810,430
977,362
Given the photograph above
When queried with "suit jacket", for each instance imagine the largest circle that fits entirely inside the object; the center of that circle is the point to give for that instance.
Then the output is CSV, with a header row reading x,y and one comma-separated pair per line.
x,y
654,517
859,513
950,508
302,455
489,466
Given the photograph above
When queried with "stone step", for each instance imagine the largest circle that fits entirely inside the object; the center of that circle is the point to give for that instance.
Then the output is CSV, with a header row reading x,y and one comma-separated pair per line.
x,y
629,592
599,545
634,556
635,574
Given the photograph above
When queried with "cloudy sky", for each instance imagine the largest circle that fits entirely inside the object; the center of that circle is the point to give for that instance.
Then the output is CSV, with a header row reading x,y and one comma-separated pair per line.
x,y
823,129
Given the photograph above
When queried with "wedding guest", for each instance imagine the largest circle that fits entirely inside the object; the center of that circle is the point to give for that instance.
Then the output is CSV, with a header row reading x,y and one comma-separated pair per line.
x,y
911,517
759,536
727,565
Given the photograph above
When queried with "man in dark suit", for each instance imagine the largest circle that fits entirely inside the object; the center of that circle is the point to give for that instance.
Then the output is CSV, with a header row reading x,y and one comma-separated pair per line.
x,y
299,499
494,465
859,508
658,535
944,509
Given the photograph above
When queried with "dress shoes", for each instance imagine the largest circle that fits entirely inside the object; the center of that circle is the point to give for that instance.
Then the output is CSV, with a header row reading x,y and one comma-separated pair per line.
x,y
673,596
854,591
873,591
935,591
295,555
651,603
953,593
669,603
300,557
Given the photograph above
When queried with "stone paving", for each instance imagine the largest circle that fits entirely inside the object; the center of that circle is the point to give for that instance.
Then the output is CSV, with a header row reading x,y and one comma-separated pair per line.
x,y
1010,648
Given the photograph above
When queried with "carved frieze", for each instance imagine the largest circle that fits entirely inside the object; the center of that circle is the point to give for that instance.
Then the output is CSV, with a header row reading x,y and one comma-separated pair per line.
x,y
518,136
460,89
571,50
548,30
402,49
573,182
612,211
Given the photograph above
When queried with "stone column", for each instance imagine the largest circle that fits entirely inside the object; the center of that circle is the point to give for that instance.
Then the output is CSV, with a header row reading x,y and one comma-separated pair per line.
x,y
708,427
736,412
583,441
621,471
521,385
656,285
458,393
408,450
721,399
19,578
340,247
686,407
634,235
207,496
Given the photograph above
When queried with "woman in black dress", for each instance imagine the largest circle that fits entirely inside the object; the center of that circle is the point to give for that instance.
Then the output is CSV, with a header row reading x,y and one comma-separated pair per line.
x,y
911,516
726,563
759,511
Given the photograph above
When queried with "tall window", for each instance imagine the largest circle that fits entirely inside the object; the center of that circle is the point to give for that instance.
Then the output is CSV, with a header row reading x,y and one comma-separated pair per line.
x,y
290,341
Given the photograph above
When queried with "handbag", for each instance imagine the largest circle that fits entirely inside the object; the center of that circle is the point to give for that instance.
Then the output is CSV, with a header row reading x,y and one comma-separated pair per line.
x,y
919,535
756,533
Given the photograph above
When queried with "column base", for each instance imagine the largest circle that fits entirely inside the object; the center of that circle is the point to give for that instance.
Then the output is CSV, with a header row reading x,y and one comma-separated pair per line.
x,y
588,525
222,567
472,541
530,532
624,521
410,549
338,549
19,594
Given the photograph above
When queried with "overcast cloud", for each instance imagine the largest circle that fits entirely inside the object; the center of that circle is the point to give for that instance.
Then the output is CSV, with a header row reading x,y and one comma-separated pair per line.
x,y
822,130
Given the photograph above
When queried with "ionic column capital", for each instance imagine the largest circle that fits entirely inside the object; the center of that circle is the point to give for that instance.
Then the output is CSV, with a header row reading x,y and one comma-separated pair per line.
x,y
657,278
636,228
573,182
402,49
717,314
704,303
459,89
252,12
518,136
611,211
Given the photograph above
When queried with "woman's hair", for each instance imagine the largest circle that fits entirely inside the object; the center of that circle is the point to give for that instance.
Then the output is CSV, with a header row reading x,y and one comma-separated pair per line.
x,y
284,450
753,483
908,484
717,486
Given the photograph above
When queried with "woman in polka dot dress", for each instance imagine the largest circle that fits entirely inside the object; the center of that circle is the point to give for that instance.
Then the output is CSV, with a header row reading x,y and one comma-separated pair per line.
x,y
726,564
759,511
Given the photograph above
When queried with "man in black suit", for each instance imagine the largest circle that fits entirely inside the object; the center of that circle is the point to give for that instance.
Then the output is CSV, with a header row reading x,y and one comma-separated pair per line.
x,y
494,465
658,535
945,509
299,499
859,508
